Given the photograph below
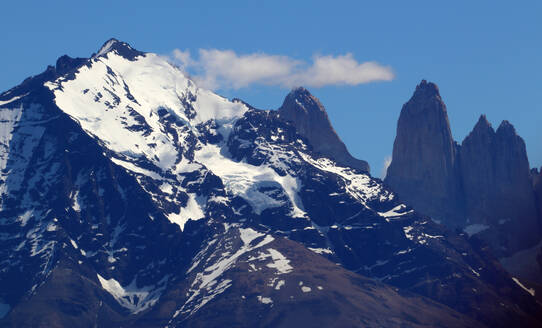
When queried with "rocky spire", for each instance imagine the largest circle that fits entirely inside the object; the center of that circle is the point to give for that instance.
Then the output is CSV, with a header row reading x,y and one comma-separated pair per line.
x,y
309,117
477,165
423,170
497,185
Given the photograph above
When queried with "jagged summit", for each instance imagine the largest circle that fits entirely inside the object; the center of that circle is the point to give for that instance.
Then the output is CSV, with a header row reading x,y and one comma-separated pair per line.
x,y
482,127
482,121
426,99
120,47
506,129
309,117
301,99
426,89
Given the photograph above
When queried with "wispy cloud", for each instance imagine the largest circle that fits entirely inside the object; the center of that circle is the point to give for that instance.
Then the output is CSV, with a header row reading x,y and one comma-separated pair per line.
x,y
225,69
387,162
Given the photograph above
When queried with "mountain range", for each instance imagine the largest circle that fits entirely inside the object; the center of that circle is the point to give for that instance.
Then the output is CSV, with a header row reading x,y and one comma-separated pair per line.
x,y
131,197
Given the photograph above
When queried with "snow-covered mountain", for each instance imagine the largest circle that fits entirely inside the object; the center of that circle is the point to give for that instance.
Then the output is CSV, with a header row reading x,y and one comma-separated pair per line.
x,y
132,197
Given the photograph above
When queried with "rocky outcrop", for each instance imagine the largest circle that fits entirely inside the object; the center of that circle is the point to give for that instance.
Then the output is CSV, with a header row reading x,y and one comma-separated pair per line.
x,y
497,187
310,119
483,186
423,170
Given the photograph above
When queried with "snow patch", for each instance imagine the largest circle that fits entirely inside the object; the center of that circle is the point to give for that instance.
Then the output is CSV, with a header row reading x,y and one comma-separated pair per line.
x,y
74,244
245,180
528,290
396,211
321,250
265,300
407,231
248,235
23,219
192,211
279,284
4,102
280,263
131,297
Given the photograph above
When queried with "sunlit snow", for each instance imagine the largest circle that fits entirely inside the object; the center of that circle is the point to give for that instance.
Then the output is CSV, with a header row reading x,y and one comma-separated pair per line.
x,y
132,297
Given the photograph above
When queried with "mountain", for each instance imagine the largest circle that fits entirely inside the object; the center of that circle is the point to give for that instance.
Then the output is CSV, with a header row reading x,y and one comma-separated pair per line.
x,y
483,186
425,156
310,119
129,196
497,185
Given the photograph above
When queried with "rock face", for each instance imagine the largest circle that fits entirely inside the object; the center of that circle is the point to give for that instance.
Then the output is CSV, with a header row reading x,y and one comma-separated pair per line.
x,y
483,186
478,167
310,119
497,186
423,170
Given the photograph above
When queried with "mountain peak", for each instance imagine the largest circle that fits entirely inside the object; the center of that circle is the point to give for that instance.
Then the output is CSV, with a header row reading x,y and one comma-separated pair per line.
x,y
120,47
299,91
426,99
483,124
309,117
506,128
483,120
301,99
107,46
426,89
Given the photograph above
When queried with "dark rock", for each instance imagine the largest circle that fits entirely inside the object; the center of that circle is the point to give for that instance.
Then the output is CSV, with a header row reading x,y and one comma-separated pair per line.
x,y
478,167
497,186
485,182
423,170
309,117
65,64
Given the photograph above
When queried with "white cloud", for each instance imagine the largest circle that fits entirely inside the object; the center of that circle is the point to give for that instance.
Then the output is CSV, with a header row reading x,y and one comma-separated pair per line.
x,y
387,162
224,69
183,58
343,70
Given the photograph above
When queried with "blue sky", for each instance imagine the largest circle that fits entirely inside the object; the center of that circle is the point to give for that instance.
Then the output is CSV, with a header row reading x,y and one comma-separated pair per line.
x,y
486,56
